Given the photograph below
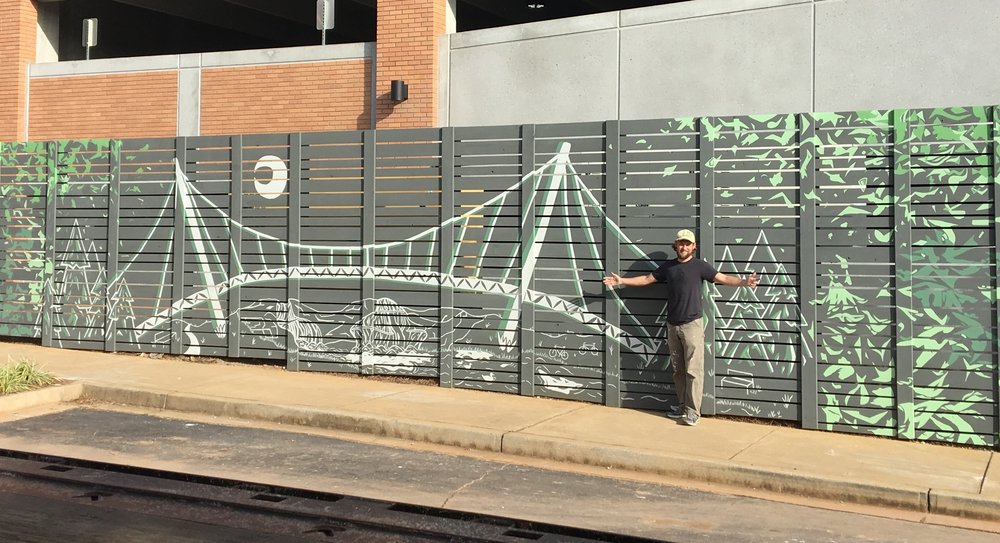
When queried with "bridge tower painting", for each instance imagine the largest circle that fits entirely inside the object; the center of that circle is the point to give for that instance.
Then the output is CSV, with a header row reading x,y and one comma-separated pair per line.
x,y
474,256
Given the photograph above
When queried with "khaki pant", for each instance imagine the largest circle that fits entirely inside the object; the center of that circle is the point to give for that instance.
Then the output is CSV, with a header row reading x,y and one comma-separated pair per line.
x,y
687,356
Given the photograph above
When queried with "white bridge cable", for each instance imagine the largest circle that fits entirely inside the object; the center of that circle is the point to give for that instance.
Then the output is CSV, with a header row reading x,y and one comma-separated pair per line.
x,y
533,297
555,173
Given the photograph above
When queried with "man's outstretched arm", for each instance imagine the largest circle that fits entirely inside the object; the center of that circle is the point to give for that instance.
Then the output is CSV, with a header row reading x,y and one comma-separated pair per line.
x,y
733,281
615,280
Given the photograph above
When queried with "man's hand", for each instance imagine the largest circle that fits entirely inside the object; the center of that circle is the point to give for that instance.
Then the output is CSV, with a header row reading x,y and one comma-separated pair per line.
x,y
614,280
752,280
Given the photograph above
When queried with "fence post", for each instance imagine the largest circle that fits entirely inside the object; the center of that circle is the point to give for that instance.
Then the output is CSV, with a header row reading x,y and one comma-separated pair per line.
x,y
235,242
706,246
996,274
112,284
180,238
49,275
368,255
446,322
808,360
527,311
612,262
903,301
294,312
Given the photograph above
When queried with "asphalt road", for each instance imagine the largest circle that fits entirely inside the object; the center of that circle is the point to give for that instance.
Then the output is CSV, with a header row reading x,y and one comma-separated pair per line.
x,y
422,475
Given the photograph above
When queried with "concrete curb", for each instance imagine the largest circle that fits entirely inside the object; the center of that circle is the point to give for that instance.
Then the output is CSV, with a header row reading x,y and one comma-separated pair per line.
x,y
698,469
43,396
954,504
431,432
958,504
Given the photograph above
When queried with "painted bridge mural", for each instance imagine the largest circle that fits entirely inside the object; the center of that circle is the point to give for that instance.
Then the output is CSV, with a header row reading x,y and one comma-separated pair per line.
x,y
475,255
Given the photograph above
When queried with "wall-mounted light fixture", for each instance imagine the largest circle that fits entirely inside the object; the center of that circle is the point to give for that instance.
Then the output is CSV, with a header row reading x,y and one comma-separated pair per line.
x,y
535,5
399,90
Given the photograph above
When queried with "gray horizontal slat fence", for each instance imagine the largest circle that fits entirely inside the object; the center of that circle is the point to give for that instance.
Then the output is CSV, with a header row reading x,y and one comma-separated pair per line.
x,y
484,262
264,303
856,243
475,256
24,184
757,351
659,164
399,328
144,279
953,256
202,260
565,258
330,232
79,308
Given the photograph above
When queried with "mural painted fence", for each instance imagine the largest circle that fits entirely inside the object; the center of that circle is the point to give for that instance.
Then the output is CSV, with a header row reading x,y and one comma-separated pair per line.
x,y
474,256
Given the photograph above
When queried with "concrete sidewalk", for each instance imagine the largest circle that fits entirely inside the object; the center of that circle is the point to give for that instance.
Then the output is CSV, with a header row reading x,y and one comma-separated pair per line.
x,y
946,480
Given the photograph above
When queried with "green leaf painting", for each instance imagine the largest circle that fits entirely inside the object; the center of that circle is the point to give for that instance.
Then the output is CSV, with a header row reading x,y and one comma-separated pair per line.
x,y
874,234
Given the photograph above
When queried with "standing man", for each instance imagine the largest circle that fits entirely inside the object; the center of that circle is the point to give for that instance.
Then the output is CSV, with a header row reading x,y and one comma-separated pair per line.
x,y
685,331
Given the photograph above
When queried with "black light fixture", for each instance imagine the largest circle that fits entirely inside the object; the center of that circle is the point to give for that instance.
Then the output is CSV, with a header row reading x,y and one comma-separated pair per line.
x,y
399,90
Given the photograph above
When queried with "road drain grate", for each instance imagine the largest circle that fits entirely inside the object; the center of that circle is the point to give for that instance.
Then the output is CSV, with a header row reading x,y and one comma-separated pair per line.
x,y
223,504
269,498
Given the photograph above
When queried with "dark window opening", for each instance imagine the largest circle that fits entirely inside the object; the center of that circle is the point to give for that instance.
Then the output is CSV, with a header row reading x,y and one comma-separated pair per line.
x,y
134,28
480,14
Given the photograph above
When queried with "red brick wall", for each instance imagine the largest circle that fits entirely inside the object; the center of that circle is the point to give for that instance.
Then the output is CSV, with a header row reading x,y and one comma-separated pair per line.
x,y
104,106
312,96
18,20
407,49
274,98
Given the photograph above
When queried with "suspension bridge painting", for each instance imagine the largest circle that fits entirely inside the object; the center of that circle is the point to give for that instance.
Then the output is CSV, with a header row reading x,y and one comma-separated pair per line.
x,y
475,255
395,336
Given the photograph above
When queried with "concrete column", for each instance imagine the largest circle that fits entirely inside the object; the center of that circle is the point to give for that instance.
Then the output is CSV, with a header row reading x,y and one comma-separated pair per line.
x,y
189,95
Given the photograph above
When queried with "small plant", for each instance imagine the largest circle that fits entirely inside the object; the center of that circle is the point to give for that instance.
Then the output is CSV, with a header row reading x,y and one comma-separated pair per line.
x,y
21,375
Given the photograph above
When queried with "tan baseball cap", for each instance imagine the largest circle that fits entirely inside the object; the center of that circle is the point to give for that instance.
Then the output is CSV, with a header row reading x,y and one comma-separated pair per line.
x,y
685,235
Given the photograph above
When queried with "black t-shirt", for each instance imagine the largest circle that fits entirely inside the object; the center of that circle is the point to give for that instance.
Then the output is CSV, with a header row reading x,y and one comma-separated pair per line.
x,y
683,281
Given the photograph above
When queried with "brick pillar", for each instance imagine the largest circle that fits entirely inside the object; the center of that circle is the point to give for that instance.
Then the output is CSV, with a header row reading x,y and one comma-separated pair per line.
x,y
18,19
407,48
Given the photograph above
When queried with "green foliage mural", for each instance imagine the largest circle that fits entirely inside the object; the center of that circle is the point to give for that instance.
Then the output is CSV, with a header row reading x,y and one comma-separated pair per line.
x,y
474,256
24,186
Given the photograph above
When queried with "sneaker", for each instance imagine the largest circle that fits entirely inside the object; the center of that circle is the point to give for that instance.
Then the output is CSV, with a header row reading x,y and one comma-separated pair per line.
x,y
690,419
675,412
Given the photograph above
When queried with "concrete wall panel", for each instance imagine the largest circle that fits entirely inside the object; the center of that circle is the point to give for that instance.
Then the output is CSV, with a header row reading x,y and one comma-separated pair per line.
x,y
906,53
728,57
561,78
744,62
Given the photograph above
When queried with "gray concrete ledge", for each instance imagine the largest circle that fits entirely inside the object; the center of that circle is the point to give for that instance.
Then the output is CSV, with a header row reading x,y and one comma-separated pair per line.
x,y
331,419
256,57
288,55
727,473
926,479
956,504
523,443
692,10
104,66
43,396
530,31
612,20
552,448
